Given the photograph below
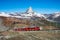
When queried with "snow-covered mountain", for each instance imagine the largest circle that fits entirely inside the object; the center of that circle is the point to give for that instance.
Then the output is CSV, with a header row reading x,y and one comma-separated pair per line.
x,y
47,15
55,17
29,13
4,14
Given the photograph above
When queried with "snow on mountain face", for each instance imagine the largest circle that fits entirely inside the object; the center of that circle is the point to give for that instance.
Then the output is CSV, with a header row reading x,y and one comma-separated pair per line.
x,y
40,15
14,13
29,13
47,15
29,10
4,14
54,17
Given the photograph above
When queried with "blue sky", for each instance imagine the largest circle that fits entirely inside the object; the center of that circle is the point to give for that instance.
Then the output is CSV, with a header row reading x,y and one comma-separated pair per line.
x,y
41,6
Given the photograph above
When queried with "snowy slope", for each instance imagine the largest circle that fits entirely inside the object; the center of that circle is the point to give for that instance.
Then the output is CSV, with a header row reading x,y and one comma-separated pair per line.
x,y
4,14
29,13
55,17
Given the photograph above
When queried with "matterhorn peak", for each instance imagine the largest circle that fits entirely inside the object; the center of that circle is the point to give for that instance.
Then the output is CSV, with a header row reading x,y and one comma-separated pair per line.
x,y
29,10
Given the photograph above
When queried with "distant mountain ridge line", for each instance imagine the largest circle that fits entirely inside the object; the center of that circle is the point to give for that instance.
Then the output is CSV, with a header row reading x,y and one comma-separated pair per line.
x,y
30,13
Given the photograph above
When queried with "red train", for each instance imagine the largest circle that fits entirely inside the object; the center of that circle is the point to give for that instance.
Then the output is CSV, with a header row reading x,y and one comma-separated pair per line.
x,y
27,29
